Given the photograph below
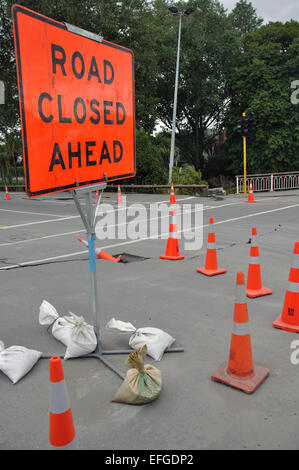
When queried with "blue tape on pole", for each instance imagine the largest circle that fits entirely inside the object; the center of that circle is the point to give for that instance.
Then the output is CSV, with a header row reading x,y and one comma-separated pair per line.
x,y
92,254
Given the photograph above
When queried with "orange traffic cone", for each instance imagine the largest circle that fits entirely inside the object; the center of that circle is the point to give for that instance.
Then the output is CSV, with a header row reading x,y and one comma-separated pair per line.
x,y
119,199
172,247
240,371
254,287
172,196
289,318
96,198
62,434
211,266
6,193
101,253
250,194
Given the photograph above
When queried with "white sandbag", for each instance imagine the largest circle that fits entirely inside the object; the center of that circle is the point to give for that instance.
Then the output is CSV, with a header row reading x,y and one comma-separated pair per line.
x,y
17,361
156,340
47,313
71,330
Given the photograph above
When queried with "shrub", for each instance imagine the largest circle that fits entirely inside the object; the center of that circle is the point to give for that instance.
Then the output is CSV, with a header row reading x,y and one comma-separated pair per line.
x,y
186,175
150,165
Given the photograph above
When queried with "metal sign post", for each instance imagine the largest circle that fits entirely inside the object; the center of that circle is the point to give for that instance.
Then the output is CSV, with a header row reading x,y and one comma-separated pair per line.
x,y
89,221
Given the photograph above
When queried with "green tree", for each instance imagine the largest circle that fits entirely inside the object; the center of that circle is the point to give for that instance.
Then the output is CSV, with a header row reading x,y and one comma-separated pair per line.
x,y
9,112
261,85
244,18
149,161
210,46
128,22
186,175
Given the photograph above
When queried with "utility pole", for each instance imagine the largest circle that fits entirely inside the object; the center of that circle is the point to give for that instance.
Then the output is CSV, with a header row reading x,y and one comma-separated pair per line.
x,y
175,104
176,12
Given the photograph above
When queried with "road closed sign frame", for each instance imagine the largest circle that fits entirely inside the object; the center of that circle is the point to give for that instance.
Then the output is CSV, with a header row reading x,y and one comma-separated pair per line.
x,y
77,105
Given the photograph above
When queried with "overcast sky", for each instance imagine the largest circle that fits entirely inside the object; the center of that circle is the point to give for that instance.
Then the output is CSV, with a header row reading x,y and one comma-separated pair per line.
x,y
271,10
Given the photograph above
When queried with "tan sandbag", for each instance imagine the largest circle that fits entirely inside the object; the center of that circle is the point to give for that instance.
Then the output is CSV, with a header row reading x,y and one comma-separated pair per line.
x,y
142,384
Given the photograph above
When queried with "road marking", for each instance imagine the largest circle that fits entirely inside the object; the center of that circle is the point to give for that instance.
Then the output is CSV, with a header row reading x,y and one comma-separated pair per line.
x,y
40,222
42,238
109,200
267,198
56,220
77,253
145,203
78,216
256,213
29,263
35,213
115,225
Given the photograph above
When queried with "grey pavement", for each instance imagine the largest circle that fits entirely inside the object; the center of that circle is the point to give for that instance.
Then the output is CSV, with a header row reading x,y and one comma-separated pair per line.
x,y
40,258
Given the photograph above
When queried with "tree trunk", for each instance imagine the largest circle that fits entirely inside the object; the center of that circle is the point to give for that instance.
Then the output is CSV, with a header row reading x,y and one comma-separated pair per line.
x,y
199,144
197,147
6,174
15,167
2,175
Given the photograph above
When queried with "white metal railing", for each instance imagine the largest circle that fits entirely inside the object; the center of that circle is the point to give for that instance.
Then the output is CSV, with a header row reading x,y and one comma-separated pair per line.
x,y
269,181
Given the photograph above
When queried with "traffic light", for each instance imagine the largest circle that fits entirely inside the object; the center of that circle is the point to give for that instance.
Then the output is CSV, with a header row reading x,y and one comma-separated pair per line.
x,y
251,126
246,126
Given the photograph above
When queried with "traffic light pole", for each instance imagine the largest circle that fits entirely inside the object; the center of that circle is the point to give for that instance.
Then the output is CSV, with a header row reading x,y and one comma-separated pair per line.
x,y
244,164
246,128
244,161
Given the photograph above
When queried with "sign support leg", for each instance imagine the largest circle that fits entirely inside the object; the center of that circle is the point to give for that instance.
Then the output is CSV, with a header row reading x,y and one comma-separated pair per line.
x,y
89,221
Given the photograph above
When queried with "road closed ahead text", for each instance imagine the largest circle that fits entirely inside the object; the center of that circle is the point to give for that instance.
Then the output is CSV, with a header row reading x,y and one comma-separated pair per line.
x,y
77,104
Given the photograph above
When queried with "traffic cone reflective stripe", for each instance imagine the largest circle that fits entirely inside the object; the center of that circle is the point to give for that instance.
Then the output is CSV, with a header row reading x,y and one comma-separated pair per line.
x,y
172,247
6,193
119,196
172,196
211,265
62,434
240,292
254,287
96,198
240,372
241,329
295,263
101,254
173,228
293,287
289,318
250,194
211,256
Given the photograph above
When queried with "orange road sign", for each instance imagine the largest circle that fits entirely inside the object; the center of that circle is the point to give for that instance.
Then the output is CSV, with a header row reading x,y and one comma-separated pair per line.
x,y
77,105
